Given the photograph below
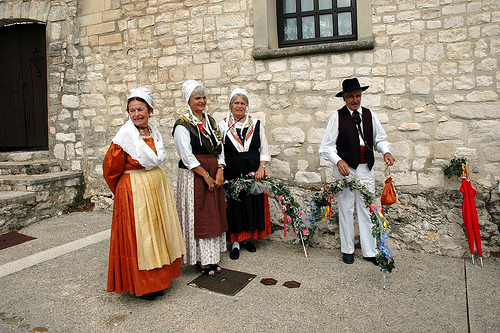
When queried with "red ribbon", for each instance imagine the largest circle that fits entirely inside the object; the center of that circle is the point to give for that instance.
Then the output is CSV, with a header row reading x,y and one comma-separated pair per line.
x,y
284,225
200,127
329,207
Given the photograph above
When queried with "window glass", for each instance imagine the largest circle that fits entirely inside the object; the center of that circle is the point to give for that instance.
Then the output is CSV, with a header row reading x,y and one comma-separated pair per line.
x,y
291,29
308,22
326,25
345,24
289,6
325,4
343,3
308,27
306,5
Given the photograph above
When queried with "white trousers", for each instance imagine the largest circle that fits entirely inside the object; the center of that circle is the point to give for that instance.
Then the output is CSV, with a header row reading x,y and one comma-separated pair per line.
x,y
346,202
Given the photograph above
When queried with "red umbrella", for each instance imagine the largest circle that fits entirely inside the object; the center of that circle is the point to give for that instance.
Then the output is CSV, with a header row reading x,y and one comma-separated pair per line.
x,y
474,218
469,213
466,214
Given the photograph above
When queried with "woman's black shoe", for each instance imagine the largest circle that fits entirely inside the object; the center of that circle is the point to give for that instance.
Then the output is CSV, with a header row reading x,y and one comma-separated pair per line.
x,y
250,247
235,254
148,297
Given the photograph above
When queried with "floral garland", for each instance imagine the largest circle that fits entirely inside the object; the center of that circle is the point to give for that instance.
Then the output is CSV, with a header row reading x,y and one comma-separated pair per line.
x,y
322,199
289,205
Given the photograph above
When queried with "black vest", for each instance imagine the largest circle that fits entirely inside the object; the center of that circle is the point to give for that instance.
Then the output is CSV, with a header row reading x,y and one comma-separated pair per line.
x,y
348,147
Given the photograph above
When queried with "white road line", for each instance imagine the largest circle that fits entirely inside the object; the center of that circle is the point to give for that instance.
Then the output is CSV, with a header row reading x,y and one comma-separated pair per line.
x,y
20,264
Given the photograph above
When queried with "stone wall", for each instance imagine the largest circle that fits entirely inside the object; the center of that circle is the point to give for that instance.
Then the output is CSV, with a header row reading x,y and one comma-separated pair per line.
x,y
433,77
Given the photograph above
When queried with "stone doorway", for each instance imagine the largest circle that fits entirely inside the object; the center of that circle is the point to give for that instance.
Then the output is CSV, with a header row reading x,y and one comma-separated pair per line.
x,y
23,87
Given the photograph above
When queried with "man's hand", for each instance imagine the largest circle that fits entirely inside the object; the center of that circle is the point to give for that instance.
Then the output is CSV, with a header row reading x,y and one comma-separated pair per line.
x,y
343,168
389,159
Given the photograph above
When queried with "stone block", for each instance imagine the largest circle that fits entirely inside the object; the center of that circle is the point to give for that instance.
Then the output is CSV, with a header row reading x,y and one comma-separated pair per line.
x,y
433,177
315,135
110,39
232,21
299,118
408,127
444,150
474,111
292,135
469,153
449,130
280,168
307,177
66,137
70,101
211,71
482,96
91,19
395,86
405,178
484,131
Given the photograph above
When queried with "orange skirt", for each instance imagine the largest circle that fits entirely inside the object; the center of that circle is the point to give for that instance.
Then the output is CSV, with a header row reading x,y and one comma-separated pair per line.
x,y
123,269
255,234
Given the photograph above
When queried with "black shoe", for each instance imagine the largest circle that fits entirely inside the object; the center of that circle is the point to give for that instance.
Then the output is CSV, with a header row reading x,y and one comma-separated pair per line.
x,y
235,254
348,258
159,293
373,260
250,247
148,297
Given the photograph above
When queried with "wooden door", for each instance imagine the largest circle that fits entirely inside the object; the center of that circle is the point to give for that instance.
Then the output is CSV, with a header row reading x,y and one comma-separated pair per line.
x,y
23,87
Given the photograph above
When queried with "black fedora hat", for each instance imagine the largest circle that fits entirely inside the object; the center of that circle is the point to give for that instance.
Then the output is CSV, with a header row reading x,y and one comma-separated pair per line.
x,y
350,85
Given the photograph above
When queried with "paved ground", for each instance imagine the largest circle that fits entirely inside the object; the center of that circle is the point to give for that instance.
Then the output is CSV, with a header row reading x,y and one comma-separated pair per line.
x,y
58,283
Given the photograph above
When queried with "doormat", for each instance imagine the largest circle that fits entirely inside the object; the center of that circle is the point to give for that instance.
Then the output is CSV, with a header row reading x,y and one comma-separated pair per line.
x,y
13,238
227,282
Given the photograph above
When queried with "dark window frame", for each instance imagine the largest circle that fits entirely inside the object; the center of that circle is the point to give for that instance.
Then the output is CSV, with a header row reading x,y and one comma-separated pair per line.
x,y
316,13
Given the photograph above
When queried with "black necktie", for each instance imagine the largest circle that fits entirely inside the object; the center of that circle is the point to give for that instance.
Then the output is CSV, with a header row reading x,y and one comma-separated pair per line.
x,y
357,120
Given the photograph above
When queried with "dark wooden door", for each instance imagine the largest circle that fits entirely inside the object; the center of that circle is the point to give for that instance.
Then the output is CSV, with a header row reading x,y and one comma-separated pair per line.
x,y
23,87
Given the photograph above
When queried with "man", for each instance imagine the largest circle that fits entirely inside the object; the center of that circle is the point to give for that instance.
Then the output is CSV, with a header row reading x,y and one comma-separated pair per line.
x,y
352,134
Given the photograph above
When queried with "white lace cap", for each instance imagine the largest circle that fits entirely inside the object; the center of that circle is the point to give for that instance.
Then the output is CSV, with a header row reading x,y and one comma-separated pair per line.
x,y
143,93
187,89
239,91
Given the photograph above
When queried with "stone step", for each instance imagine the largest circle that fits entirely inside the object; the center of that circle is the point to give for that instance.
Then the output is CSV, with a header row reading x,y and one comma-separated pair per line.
x,y
21,156
29,167
25,199
34,183
16,197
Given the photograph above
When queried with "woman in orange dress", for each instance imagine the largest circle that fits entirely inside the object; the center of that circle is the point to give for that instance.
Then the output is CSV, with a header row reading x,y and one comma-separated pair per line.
x,y
146,239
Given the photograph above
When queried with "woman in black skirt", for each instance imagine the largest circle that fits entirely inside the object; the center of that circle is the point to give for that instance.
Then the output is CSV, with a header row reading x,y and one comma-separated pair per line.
x,y
246,150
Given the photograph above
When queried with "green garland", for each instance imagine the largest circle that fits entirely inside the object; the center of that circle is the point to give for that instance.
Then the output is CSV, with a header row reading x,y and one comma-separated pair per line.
x,y
289,205
379,229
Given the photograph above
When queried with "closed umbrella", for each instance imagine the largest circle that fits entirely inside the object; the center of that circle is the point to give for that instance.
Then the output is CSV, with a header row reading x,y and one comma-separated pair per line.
x,y
466,213
474,218
469,214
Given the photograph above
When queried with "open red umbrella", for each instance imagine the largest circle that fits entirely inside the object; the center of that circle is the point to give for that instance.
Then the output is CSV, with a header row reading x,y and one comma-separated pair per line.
x,y
469,213
474,218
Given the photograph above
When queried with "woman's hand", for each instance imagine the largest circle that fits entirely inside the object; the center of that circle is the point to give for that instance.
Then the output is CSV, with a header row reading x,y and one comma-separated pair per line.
x,y
260,173
211,183
219,178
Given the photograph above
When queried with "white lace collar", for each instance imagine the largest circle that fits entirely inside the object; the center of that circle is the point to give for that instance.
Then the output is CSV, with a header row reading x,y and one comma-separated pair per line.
x,y
129,138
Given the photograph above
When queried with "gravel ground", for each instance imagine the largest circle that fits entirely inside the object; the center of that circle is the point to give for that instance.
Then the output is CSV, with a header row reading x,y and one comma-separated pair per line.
x,y
425,293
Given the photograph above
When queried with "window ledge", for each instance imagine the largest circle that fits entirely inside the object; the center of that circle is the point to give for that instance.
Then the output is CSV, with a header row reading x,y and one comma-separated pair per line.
x,y
362,44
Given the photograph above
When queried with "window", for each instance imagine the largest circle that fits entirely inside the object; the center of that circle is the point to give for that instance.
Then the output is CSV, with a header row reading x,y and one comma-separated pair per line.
x,y
269,27
305,22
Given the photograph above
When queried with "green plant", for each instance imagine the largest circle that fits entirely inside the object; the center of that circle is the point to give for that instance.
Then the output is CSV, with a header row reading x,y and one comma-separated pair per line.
x,y
455,167
80,203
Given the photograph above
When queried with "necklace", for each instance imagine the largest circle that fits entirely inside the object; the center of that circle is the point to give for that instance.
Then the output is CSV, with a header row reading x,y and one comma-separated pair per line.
x,y
142,132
